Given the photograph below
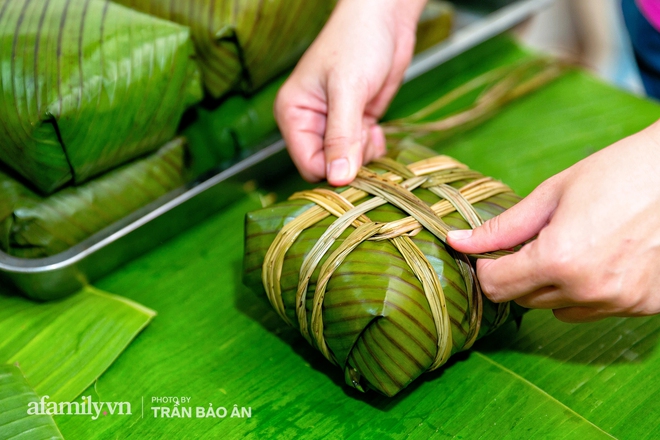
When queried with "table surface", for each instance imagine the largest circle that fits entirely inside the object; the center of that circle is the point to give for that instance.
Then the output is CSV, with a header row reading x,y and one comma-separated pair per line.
x,y
221,344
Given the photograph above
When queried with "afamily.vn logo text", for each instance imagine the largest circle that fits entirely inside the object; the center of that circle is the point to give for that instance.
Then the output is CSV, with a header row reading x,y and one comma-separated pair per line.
x,y
87,407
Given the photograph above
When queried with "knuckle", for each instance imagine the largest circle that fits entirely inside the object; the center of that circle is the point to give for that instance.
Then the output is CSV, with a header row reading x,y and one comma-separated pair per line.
x,y
336,143
491,291
494,232
282,112
551,184
492,228
633,302
642,309
559,262
632,308
592,295
562,268
282,99
607,289
547,185
339,81
286,106
285,113
486,283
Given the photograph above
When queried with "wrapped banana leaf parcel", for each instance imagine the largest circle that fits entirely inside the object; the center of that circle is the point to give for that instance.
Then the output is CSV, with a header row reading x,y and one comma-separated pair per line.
x,y
88,85
243,43
364,272
36,226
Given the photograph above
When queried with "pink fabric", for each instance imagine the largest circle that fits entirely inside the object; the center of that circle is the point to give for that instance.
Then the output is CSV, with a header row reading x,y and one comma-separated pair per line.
x,y
651,10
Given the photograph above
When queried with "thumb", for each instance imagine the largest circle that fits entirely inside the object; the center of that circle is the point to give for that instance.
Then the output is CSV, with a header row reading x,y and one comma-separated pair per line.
x,y
511,228
343,141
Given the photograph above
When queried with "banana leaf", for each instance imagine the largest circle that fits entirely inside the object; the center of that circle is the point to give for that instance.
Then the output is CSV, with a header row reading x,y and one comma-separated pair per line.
x,y
385,299
63,346
15,397
243,43
34,226
217,343
88,85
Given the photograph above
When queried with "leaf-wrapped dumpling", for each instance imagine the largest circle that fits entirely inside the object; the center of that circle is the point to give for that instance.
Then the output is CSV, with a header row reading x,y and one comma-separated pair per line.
x,y
88,85
33,226
364,272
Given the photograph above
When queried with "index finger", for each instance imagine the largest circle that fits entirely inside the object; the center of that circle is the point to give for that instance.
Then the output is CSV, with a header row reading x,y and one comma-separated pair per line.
x,y
302,129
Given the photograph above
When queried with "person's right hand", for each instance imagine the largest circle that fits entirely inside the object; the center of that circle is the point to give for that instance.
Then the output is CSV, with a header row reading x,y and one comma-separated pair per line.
x,y
597,248
328,109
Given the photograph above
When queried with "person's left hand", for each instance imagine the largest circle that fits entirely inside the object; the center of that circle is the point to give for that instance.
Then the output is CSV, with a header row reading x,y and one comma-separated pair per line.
x,y
597,253
328,109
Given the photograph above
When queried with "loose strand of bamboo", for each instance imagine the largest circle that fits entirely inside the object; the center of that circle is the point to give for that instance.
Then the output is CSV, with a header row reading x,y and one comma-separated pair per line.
x,y
505,86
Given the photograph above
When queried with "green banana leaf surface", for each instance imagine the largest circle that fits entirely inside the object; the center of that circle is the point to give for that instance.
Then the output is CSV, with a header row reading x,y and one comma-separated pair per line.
x,y
88,85
16,396
217,343
243,43
34,226
63,346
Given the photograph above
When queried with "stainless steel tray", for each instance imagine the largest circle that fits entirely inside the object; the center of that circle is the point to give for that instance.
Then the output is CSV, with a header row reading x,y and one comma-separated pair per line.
x,y
100,254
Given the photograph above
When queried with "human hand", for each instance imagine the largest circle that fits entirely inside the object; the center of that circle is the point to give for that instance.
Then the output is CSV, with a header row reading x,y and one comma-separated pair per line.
x,y
328,109
597,253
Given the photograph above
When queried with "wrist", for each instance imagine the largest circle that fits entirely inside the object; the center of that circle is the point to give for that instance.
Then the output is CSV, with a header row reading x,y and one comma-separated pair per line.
x,y
407,12
396,14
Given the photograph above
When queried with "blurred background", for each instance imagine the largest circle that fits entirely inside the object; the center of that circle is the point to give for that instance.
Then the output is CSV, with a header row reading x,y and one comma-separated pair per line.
x,y
590,32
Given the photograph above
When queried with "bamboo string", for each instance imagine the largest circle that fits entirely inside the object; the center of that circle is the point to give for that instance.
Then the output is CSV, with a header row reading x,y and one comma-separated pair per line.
x,y
506,84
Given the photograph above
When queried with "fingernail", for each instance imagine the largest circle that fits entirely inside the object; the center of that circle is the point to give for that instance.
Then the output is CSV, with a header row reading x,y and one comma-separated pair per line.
x,y
460,234
339,169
